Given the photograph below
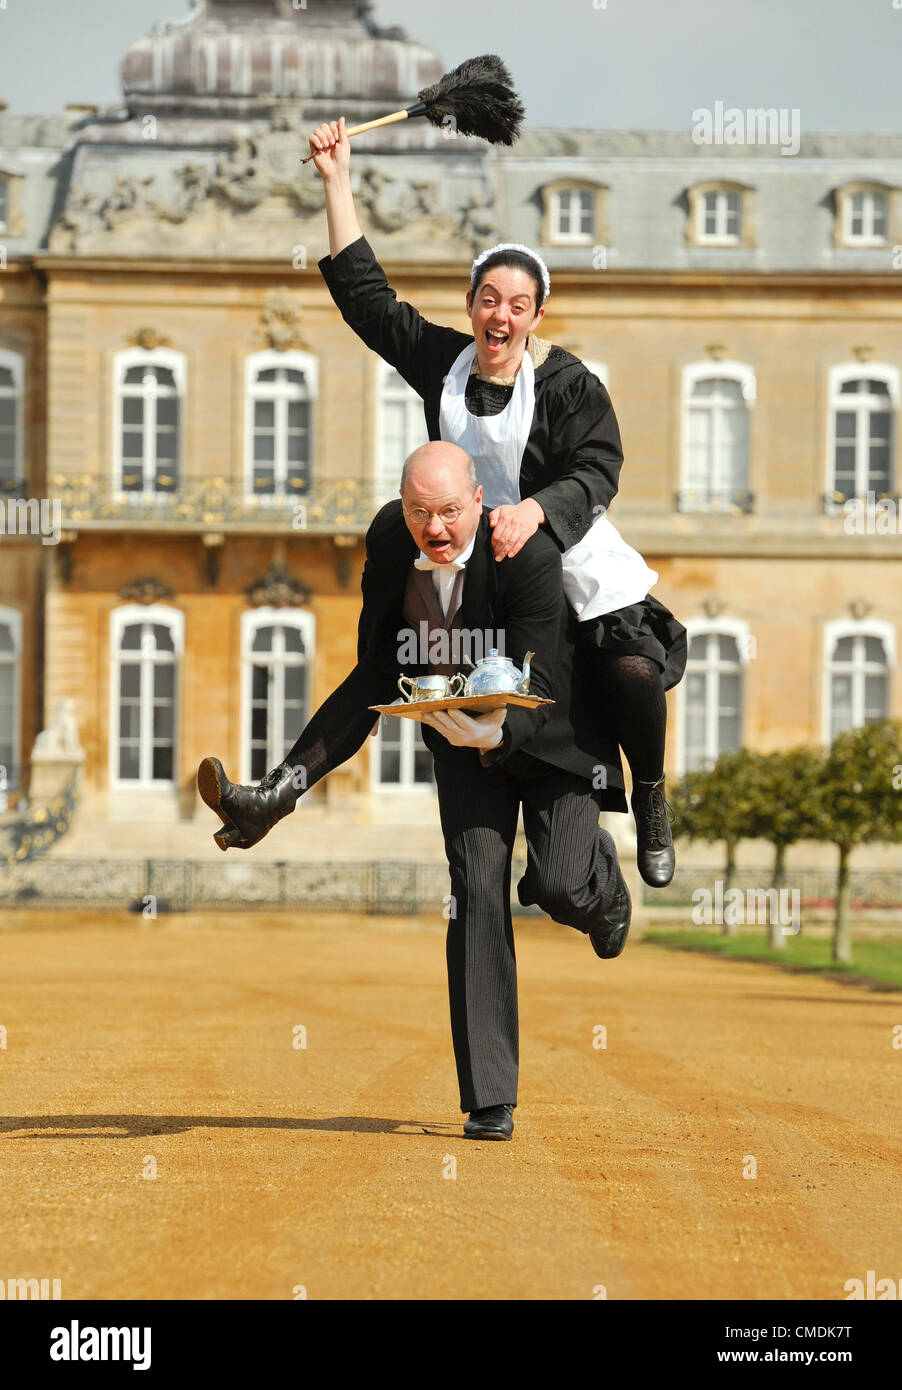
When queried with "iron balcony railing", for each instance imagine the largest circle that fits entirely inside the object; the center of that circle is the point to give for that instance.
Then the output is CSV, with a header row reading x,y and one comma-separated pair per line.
x,y
95,502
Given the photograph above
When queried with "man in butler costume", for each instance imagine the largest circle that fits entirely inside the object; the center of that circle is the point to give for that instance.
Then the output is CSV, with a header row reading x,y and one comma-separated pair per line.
x,y
429,558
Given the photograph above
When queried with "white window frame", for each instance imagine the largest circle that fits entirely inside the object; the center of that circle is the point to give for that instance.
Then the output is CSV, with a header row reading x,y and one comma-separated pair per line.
x,y
293,360
15,362
151,357
301,619
120,618
865,238
718,237
572,238
406,786
852,627
857,371
736,628
12,619
387,390
695,372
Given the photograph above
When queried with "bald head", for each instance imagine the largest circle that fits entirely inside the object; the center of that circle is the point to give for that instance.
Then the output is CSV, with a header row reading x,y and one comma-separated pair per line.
x,y
442,500
426,464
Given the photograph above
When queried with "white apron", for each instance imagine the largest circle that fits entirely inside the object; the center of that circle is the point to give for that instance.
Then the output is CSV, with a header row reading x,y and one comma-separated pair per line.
x,y
601,573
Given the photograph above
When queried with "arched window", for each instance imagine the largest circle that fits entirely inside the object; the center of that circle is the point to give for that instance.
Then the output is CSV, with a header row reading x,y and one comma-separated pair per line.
x,y
721,213
858,657
713,690
12,378
400,761
10,679
573,213
150,388
277,647
717,401
281,389
401,428
864,401
147,641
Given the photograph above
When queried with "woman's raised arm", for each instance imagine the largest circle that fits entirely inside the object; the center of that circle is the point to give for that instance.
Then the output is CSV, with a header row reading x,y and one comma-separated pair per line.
x,y
331,150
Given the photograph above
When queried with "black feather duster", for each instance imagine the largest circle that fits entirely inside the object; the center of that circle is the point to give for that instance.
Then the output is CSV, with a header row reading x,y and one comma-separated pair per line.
x,y
479,97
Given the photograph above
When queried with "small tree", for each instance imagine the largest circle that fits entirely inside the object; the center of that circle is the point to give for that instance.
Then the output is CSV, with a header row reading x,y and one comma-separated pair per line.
x,y
860,801
716,804
784,796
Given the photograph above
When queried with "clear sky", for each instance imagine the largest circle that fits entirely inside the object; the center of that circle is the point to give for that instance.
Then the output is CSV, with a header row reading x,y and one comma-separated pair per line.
x,y
600,63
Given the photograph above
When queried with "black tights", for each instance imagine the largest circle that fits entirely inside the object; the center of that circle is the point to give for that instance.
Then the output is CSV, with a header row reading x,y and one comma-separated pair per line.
x,y
634,687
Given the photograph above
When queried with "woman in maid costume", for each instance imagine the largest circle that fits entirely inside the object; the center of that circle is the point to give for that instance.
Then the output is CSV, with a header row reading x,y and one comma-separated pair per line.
x,y
544,438
542,432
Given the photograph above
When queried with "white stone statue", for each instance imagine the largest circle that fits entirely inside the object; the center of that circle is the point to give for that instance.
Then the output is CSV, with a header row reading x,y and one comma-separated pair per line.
x,y
59,740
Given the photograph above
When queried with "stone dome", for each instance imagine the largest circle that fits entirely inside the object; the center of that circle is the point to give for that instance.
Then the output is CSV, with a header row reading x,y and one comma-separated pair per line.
x,y
226,52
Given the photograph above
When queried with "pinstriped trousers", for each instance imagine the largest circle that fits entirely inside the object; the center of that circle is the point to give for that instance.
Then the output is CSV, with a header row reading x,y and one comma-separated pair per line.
x,y
572,874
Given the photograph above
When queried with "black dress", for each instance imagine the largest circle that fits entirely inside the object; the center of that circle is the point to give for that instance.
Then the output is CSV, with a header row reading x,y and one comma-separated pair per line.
x,y
572,459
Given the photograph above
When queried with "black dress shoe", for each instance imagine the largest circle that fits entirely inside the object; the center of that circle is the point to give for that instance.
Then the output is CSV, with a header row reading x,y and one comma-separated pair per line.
x,y
247,813
654,849
608,936
492,1122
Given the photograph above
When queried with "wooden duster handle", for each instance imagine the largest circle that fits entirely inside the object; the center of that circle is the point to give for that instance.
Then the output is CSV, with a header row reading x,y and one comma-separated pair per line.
x,y
370,125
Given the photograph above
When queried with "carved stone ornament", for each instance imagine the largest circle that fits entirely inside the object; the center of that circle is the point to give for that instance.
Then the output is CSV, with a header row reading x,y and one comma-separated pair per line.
x,y
280,322
717,351
713,607
860,608
148,338
863,352
146,590
277,589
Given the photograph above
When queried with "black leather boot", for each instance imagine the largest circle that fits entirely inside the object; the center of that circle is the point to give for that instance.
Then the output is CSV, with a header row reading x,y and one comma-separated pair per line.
x,y
247,813
654,850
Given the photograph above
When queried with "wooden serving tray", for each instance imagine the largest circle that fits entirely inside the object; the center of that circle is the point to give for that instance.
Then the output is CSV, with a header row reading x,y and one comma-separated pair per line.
x,y
472,704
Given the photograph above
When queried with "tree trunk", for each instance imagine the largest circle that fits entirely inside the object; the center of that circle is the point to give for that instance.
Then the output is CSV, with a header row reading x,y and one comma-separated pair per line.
x,y
842,932
775,934
729,928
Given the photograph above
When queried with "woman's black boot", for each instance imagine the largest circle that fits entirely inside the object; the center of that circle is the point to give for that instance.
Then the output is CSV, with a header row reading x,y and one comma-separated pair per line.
x,y
654,849
247,813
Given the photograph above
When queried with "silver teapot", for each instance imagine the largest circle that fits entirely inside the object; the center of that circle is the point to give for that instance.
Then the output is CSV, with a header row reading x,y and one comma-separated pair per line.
x,y
495,675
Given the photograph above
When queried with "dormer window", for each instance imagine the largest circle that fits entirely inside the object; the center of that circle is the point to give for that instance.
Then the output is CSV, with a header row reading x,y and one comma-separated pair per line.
x,y
867,215
572,213
720,214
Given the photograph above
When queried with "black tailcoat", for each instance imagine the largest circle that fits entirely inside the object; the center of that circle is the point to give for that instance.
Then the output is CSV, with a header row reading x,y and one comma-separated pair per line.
x,y
522,597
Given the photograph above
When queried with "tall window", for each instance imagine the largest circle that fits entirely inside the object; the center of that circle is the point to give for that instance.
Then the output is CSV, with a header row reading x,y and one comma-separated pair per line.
x,y
717,400
401,759
281,391
147,643
278,647
150,386
10,653
401,429
712,697
858,661
720,216
11,444
4,204
866,218
863,406
574,215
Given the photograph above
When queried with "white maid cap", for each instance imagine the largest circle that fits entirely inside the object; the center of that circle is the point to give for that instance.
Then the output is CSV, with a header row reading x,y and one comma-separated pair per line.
x,y
514,246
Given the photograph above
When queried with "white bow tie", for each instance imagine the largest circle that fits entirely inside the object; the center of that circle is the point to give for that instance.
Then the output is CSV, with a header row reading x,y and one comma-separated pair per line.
x,y
424,563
